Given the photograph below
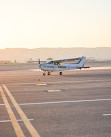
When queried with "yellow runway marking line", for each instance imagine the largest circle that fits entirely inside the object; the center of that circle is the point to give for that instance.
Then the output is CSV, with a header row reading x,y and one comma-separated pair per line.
x,y
15,124
27,123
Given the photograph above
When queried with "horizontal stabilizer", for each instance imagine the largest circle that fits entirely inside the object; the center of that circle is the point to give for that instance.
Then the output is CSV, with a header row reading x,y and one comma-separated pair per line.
x,y
82,67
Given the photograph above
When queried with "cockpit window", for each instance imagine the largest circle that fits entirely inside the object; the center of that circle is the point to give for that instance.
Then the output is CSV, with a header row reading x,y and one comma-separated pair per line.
x,y
58,63
50,62
75,61
55,62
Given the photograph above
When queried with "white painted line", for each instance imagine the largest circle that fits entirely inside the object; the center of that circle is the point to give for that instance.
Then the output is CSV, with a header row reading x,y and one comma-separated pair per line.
x,y
2,104
93,68
53,90
56,82
20,84
97,68
106,114
41,84
26,84
19,120
59,102
35,69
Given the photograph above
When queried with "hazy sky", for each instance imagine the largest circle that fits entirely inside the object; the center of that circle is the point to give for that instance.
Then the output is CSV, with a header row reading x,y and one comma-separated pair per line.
x,y
55,23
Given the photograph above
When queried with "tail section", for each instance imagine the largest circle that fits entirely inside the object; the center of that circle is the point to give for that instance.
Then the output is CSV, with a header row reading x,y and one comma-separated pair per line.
x,y
81,63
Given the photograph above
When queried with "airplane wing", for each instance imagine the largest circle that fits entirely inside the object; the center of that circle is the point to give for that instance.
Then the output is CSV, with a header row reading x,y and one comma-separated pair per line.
x,y
73,60
67,60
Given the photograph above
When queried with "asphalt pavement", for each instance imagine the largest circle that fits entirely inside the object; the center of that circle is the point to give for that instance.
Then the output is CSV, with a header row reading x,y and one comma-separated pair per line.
x,y
76,104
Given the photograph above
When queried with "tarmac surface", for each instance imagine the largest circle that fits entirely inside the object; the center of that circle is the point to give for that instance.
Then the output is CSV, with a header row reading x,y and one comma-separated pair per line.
x,y
76,104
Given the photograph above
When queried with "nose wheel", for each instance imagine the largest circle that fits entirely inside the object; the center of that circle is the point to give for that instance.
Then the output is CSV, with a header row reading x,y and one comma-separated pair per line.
x,y
44,74
60,73
48,73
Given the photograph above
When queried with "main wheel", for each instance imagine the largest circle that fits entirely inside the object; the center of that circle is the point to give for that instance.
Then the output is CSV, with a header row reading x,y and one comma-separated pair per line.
x,y
44,74
48,73
60,73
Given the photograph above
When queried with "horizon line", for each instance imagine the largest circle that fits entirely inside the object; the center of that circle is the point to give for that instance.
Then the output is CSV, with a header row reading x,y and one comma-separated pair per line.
x,y
54,48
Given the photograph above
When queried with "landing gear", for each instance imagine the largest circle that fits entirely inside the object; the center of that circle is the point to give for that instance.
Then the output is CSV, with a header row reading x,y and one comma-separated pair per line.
x,y
60,73
48,73
44,74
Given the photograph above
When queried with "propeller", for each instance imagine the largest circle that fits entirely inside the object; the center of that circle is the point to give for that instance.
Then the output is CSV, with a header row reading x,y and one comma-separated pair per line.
x,y
39,63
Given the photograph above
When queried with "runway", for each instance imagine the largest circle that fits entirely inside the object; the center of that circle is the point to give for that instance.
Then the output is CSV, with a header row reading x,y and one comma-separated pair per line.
x,y
79,104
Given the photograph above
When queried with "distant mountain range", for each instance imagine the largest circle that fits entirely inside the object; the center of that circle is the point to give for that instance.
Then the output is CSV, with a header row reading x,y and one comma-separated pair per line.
x,y
23,55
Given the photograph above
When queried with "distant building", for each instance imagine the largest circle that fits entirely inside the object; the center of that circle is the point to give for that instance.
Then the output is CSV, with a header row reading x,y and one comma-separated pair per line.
x,y
5,62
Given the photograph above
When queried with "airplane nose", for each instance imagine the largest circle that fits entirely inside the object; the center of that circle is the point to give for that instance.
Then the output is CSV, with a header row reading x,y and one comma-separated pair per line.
x,y
39,65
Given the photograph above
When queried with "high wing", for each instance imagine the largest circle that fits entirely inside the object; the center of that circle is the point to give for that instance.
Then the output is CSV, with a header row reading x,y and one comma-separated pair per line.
x,y
74,60
79,61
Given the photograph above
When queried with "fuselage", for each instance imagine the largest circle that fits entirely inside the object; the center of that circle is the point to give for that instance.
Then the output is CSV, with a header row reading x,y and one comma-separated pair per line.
x,y
58,65
52,67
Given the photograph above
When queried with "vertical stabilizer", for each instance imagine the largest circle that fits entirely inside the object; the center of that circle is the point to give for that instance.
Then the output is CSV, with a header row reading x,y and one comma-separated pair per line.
x,y
81,64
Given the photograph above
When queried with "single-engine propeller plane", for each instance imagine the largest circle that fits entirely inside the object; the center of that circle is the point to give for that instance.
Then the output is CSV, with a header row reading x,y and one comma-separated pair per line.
x,y
61,65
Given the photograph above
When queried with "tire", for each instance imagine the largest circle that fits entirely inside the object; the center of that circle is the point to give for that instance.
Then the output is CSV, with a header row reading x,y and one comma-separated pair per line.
x,y
48,73
60,73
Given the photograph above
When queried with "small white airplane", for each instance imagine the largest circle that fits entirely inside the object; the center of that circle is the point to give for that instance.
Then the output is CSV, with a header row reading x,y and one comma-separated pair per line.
x,y
61,65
